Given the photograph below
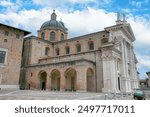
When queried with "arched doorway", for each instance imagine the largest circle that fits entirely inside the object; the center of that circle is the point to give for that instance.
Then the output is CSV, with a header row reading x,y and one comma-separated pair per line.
x,y
90,80
70,75
43,76
55,80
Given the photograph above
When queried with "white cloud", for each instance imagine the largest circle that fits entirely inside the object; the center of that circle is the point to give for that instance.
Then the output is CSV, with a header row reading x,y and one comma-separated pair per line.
x,y
78,22
28,19
126,10
144,64
6,3
81,1
138,4
62,3
107,1
87,21
141,29
70,3
144,61
52,2
11,6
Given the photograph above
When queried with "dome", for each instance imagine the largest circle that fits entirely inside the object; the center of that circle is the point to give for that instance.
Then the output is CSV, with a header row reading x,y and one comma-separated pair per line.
x,y
53,23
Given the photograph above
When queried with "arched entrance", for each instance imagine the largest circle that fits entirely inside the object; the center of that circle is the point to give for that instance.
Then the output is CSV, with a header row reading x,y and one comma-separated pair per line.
x,y
70,75
55,80
43,76
90,80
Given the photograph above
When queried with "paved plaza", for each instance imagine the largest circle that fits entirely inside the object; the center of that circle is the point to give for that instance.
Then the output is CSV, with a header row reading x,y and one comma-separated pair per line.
x,y
47,95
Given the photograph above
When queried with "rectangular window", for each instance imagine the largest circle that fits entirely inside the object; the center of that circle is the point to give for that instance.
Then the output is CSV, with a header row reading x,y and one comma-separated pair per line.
x,y
46,51
91,46
78,48
67,50
5,40
57,51
6,33
17,36
2,56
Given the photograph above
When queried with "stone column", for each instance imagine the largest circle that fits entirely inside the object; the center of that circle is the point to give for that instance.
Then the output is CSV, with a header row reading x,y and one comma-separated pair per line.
x,y
116,75
48,82
106,77
114,78
81,81
125,58
99,75
125,68
132,62
109,74
62,81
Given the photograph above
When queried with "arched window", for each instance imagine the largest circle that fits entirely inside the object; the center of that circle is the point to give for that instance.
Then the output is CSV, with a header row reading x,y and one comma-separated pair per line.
x,y
46,51
52,36
57,51
91,45
67,50
78,47
43,35
62,36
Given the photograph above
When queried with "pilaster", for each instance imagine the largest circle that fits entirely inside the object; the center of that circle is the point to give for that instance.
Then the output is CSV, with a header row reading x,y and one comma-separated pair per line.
x,y
109,71
62,81
81,81
48,82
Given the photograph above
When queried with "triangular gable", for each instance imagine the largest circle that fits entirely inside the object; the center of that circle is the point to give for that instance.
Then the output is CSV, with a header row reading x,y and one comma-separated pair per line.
x,y
128,28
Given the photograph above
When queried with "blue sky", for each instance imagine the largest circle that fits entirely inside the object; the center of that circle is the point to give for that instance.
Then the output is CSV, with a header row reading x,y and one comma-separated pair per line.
x,y
82,17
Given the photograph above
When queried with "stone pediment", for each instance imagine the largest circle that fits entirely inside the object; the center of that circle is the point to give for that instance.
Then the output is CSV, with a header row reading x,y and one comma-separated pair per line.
x,y
129,31
126,28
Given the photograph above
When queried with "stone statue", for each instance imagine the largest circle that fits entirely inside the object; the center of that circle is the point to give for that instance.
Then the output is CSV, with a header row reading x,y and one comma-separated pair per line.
x,y
110,36
118,16
124,17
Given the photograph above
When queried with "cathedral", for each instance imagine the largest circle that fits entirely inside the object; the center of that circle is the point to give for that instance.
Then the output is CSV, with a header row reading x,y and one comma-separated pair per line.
x,y
101,61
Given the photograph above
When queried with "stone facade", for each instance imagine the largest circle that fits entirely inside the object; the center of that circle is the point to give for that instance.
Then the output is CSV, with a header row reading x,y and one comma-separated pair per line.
x,y
98,62
11,43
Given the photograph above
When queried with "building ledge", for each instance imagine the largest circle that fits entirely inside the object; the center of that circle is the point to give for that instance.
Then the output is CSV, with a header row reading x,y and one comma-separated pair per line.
x,y
73,62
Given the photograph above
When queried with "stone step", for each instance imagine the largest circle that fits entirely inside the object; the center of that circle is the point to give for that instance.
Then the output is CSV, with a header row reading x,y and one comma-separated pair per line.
x,y
9,87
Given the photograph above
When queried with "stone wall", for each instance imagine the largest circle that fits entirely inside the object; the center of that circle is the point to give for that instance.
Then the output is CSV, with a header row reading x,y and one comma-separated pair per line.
x,y
10,71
